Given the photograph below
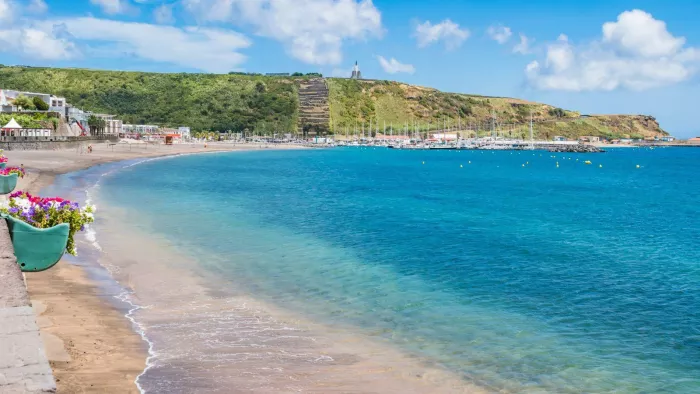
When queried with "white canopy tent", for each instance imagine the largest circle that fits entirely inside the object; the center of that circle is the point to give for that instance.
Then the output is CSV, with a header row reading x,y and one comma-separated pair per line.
x,y
12,124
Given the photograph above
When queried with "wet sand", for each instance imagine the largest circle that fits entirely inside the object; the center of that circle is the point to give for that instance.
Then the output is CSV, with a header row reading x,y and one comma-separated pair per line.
x,y
92,347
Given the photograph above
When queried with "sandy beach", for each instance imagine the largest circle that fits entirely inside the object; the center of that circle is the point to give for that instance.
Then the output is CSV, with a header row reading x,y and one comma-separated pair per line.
x,y
92,347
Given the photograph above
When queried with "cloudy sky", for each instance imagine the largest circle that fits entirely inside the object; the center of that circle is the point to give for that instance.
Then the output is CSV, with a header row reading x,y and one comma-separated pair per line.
x,y
595,56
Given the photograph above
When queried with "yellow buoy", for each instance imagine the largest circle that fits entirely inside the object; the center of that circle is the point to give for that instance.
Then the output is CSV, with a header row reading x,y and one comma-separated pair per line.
x,y
587,162
600,166
637,165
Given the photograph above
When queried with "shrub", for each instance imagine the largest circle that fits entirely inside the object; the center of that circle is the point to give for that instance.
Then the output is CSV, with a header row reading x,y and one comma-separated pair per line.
x,y
40,104
24,102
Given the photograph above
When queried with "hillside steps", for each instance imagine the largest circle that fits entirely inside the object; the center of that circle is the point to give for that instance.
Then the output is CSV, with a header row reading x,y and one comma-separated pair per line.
x,y
314,106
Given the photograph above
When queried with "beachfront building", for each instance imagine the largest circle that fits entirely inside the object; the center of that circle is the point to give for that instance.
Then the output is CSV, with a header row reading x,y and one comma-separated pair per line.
x,y
589,138
140,129
668,138
445,136
184,132
55,103
113,126
58,104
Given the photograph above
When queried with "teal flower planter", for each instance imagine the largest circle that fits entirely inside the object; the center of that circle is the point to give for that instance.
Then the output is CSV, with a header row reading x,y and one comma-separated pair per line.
x,y
8,183
3,165
37,249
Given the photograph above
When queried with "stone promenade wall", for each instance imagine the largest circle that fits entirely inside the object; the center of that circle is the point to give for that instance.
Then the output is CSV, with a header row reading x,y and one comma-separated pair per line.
x,y
24,367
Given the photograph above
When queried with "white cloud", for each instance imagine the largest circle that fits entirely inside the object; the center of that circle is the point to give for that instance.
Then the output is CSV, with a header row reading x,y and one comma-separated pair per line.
x,y
393,66
636,52
36,43
212,50
427,34
523,47
113,7
6,11
207,49
313,31
638,33
37,6
164,14
500,34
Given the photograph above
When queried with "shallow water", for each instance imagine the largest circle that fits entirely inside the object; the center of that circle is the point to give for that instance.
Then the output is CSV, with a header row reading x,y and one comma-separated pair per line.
x,y
519,279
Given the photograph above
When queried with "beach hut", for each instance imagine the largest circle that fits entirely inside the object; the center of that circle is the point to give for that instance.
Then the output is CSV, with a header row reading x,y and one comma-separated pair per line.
x,y
11,127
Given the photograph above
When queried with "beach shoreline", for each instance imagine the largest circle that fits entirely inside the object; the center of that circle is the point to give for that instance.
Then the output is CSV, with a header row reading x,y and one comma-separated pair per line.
x,y
95,345
91,345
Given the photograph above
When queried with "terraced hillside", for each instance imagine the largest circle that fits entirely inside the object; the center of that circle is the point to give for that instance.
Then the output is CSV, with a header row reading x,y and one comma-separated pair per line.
x,y
314,109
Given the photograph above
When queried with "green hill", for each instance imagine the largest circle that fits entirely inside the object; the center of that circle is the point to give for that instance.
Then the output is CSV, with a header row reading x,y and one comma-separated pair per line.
x,y
202,101
400,104
237,102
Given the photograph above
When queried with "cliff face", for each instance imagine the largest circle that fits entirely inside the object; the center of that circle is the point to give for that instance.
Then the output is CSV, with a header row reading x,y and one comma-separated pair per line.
x,y
258,103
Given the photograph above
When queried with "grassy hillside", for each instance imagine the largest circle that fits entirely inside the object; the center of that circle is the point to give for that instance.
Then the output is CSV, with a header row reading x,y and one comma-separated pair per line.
x,y
254,102
202,101
392,102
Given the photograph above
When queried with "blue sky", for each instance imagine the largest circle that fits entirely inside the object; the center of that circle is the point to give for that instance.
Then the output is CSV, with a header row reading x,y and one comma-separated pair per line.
x,y
595,56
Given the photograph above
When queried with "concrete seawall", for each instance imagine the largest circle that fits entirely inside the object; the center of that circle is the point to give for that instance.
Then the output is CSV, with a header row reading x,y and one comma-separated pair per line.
x,y
24,367
46,144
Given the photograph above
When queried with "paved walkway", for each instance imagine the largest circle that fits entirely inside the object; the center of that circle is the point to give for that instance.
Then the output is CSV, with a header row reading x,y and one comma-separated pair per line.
x,y
24,367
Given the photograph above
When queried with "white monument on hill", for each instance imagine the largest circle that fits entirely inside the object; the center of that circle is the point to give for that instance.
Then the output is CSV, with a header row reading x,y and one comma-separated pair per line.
x,y
356,72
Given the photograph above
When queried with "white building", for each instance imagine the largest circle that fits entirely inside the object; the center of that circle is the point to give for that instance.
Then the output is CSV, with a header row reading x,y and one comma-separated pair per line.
x,y
445,136
56,104
140,128
112,126
184,132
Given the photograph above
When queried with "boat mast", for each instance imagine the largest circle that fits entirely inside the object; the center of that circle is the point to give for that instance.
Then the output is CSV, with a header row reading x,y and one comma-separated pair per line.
x,y
532,142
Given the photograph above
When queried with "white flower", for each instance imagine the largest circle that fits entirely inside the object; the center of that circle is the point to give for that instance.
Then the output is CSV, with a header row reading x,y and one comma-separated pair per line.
x,y
23,203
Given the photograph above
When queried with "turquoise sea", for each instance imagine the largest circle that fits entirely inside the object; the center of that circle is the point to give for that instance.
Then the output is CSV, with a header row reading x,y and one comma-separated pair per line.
x,y
501,267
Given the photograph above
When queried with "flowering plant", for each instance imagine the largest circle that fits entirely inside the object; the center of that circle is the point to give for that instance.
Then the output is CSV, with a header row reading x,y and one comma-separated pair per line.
x,y
12,170
3,159
48,212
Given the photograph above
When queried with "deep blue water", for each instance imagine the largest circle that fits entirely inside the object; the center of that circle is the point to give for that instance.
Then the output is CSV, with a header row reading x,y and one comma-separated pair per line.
x,y
577,278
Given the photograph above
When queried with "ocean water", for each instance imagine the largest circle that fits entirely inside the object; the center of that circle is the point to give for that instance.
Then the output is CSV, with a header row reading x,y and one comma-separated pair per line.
x,y
497,267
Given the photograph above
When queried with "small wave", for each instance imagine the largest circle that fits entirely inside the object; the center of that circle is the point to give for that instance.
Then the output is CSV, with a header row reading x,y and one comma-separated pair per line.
x,y
125,297
91,237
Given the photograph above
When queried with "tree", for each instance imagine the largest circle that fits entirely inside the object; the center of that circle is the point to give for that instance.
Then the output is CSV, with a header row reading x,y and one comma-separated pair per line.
x,y
40,104
97,125
24,102
260,87
298,74
557,112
